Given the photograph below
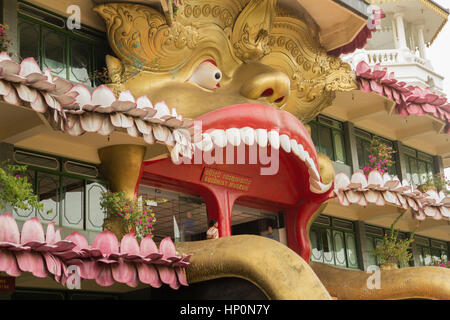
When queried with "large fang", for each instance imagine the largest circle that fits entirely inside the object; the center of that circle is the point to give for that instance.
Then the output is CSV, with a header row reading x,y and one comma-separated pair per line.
x,y
318,187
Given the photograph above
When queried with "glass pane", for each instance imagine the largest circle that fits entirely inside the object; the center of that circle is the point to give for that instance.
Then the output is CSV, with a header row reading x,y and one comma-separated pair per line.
x,y
378,242
422,172
317,252
95,215
370,247
326,144
421,257
55,52
48,191
352,257
80,62
23,215
339,146
29,37
414,171
435,255
339,249
72,203
327,246
427,256
360,151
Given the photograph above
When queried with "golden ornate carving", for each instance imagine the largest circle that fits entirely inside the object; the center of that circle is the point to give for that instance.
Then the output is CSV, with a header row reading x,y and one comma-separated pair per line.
x,y
158,59
252,28
274,268
405,283
139,36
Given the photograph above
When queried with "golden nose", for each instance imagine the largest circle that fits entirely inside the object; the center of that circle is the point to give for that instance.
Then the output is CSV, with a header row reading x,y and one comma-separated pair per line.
x,y
272,86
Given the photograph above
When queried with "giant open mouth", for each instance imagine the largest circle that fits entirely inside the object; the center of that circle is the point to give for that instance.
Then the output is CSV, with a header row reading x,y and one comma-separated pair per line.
x,y
261,125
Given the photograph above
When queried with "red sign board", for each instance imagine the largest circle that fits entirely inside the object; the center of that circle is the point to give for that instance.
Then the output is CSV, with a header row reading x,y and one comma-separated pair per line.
x,y
225,179
7,284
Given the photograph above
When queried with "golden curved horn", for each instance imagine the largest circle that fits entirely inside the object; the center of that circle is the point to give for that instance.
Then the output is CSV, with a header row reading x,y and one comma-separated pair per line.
x,y
252,28
406,283
274,268
141,37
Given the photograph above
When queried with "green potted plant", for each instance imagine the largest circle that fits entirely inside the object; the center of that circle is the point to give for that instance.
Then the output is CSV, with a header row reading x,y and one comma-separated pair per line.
x,y
437,182
392,250
16,193
124,215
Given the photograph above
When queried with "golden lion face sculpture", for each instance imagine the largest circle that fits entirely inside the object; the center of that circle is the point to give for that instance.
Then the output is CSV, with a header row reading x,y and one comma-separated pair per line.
x,y
218,53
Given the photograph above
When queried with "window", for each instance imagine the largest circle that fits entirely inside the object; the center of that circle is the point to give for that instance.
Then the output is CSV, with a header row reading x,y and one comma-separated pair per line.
x,y
374,236
431,251
70,54
363,141
70,189
333,241
419,166
328,137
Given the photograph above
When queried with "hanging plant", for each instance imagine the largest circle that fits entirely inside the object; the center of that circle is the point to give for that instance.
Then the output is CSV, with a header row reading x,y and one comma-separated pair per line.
x,y
392,250
136,215
15,190
176,4
380,157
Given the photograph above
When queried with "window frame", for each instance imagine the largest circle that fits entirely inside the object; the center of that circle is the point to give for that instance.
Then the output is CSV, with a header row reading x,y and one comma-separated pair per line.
x,y
317,123
97,43
331,228
60,173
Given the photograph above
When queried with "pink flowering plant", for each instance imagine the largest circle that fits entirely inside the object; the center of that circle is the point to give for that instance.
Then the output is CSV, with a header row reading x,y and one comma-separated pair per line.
x,y
380,157
441,263
5,40
138,217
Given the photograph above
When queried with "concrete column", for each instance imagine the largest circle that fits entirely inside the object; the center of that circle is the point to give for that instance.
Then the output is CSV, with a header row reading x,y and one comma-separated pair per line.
x,y
400,30
350,146
361,245
121,166
421,39
394,33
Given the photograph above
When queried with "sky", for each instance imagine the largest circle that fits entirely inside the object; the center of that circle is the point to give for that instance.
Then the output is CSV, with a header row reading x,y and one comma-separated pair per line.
x,y
439,54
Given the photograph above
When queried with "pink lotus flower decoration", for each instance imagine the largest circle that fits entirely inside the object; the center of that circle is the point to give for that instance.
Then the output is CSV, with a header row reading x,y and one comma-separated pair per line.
x,y
105,262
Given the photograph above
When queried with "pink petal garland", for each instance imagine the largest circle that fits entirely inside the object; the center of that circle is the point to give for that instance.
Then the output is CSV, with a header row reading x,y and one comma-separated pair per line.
x,y
105,262
383,190
409,99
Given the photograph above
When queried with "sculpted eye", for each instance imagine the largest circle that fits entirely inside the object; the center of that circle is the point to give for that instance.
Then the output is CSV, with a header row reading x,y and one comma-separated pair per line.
x,y
207,75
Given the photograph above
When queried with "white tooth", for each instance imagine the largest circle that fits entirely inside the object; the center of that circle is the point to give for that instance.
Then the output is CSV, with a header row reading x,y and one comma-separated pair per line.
x,y
285,143
301,153
274,139
219,138
248,135
261,137
294,147
233,136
